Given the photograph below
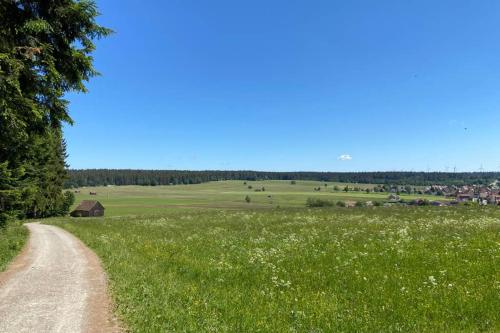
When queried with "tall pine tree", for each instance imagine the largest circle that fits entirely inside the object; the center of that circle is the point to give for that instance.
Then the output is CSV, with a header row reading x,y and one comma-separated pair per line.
x,y
45,51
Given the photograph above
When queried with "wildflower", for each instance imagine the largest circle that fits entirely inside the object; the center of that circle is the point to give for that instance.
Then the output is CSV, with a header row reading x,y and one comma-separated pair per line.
x,y
432,280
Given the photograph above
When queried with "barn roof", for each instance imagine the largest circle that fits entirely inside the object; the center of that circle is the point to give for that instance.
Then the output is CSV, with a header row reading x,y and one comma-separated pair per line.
x,y
87,205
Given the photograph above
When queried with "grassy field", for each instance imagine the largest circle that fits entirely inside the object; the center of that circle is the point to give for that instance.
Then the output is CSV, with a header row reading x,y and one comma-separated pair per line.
x,y
12,239
293,269
137,200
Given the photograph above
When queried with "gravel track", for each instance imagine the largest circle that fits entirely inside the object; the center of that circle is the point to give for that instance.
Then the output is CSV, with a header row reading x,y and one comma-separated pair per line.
x,y
55,285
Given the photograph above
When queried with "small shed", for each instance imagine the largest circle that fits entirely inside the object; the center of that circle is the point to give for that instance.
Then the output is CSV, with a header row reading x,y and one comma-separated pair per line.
x,y
88,208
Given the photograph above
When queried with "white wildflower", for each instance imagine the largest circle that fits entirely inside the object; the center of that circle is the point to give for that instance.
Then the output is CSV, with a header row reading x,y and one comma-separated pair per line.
x,y
432,280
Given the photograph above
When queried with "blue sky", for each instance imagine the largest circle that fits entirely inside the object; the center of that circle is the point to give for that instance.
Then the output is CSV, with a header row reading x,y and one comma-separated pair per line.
x,y
293,85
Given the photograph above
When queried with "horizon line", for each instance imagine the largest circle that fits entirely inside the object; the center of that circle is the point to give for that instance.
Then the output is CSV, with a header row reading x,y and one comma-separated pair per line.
x,y
274,171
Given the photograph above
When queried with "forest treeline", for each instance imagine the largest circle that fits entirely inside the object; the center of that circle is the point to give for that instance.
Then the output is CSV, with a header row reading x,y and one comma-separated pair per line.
x,y
45,52
103,177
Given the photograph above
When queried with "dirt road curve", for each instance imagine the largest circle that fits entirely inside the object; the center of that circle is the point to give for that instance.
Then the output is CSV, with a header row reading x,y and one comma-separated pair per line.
x,y
55,285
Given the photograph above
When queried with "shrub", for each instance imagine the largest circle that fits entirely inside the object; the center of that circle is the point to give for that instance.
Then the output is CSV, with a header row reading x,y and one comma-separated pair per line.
x,y
423,202
359,204
315,202
67,202
341,204
247,199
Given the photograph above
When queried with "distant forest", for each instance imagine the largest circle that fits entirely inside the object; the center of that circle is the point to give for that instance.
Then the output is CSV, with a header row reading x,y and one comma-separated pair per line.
x,y
103,177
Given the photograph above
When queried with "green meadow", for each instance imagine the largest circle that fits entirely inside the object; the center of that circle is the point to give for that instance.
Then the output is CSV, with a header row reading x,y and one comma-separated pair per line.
x,y
137,200
199,258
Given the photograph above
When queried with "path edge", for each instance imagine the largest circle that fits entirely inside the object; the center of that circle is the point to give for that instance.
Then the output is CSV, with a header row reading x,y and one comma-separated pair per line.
x,y
101,307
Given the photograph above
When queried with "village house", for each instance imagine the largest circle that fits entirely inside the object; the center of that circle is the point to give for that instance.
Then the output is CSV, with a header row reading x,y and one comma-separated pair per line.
x,y
88,208
450,194
484,194
494,199
461,197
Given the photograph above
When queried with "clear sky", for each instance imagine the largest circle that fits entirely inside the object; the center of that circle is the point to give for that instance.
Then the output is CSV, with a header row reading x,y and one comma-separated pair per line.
x,y
293,85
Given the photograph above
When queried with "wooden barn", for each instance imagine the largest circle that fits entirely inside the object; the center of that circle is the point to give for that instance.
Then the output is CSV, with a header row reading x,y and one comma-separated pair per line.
x,y
88,208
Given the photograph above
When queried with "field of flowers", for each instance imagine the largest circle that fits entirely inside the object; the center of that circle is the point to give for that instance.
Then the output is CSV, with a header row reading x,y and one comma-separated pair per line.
x,y
328,270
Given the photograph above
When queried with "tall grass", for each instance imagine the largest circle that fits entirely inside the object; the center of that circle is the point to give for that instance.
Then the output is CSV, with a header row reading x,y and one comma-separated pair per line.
x,y
329,270
12,238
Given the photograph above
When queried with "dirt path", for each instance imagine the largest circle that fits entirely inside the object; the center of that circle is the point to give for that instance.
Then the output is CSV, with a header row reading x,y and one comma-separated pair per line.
x,y
56,285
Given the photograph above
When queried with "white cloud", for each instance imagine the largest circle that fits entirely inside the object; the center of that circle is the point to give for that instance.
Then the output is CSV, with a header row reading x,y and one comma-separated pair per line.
x,y
345,157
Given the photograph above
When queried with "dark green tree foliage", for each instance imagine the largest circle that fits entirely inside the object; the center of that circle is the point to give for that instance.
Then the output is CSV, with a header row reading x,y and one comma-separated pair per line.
x,y
69,200
99,177
9,193
45,52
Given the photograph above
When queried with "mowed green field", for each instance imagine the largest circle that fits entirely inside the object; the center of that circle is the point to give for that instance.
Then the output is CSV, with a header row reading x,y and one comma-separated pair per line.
x,y
137,200
198,258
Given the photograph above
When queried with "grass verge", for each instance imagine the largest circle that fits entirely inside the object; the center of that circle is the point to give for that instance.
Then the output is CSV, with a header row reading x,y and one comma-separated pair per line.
x,y
12,239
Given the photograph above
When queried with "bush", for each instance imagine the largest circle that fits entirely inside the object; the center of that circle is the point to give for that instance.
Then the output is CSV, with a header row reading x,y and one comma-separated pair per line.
x,y
68,201
359,204
247,199
315,202
341,204
422,202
